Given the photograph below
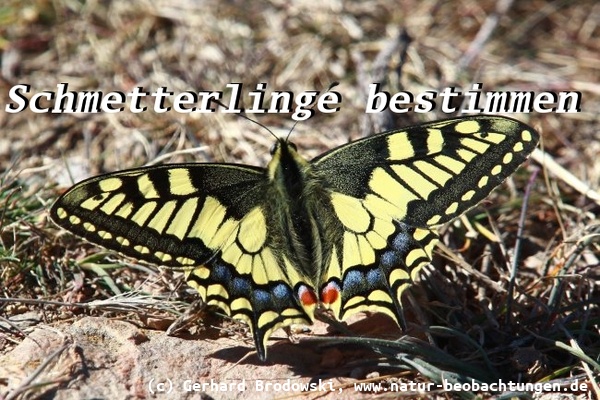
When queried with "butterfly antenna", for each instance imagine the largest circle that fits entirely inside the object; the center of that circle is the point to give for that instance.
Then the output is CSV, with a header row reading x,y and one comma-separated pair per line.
x,y
243,115
287,138
331,86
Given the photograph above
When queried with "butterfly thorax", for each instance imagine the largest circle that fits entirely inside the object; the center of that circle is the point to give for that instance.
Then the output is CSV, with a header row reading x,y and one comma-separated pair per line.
x,y
293,184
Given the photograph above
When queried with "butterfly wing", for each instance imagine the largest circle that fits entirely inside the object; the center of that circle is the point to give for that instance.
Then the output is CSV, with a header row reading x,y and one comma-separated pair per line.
x,y
207,218
390,189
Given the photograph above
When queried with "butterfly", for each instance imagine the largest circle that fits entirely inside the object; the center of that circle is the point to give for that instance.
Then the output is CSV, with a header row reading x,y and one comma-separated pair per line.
x,y
348,231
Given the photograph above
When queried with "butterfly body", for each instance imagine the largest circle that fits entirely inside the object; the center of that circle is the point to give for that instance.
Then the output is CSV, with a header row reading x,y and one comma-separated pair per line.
x,y
348,231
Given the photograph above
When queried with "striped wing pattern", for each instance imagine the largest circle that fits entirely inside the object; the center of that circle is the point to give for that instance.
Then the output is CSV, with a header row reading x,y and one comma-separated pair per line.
x,y
395,187
365,216
219,234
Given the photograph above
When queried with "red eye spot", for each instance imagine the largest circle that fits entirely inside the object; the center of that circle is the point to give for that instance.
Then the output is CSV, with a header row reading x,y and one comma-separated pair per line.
x,y
307,296
330,293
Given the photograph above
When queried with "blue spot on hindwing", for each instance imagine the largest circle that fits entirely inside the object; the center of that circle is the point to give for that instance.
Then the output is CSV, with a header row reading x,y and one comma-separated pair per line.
x,y
401,242
281,291
374,277
221,273
262,299
352,278
389,259
241,287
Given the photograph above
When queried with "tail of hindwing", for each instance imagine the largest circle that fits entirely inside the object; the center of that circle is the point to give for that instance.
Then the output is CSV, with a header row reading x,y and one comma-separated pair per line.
x,y
264,307
379,286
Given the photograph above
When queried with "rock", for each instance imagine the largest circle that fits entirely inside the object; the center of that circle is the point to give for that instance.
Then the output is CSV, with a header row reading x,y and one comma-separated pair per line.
x,y
104,358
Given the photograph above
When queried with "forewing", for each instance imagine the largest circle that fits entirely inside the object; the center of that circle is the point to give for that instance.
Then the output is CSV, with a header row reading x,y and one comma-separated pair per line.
x,y
428,174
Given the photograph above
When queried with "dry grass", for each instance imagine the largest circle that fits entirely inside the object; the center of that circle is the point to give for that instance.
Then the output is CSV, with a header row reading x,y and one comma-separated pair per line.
x,y
540,333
